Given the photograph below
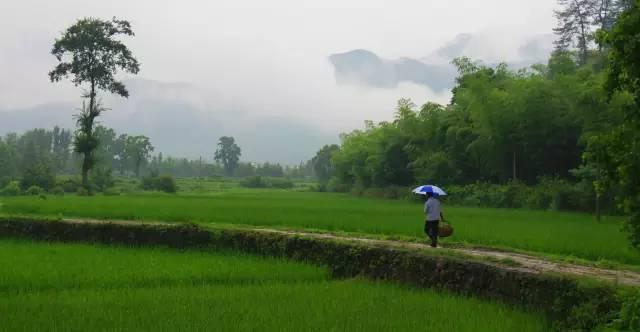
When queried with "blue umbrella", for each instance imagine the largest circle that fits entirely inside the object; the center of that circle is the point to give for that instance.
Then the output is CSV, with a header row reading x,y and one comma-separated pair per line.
x,y
423,190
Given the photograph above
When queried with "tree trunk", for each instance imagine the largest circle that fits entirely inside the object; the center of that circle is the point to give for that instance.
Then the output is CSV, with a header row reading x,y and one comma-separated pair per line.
x,y
86,160
513,166
85,171
597,188
583,35
598,212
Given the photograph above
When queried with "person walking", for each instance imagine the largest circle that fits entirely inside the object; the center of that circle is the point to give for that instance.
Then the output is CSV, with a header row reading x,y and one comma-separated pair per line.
x,y
433,216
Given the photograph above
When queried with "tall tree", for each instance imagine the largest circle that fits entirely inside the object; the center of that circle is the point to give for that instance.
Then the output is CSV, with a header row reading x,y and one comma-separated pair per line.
x,y
62,140
6,164
322,167
120,159
604,13
105,152
575,26
90,52
139,150
228,154
622,144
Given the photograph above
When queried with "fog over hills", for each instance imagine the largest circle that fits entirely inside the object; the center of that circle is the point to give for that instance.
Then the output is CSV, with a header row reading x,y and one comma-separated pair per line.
x,y
183,120
179,124
435,71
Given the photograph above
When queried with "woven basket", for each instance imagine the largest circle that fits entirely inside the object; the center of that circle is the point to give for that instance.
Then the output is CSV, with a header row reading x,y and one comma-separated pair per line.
x,y
445,230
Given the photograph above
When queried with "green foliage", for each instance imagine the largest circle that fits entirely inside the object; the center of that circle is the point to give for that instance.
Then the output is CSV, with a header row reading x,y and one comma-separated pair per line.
x,y
629,317
584,307
34,191
228,154
335,185
96,54
502,125
253,182
11,189
616,151
266,182
270,170
40,175
57,190
82,191
549,194
138,149
102,179
34,149
165,183
111,192
70,185
322,167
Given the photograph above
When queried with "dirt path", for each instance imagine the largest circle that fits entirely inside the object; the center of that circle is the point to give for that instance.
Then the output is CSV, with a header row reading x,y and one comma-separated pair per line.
x,y
518,261
523,262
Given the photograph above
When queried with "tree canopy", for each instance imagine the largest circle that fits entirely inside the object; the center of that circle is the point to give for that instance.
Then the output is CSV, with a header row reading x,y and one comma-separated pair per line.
x,y
228,154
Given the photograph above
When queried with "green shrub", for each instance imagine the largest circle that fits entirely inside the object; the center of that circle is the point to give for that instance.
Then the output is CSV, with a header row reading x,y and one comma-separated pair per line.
x,y
253,182
57,190
280,183
265,182
147,183
11,189
111,192
71,185
334,185
629,319
34,191
166,183
81,191
548,194
373,193
4,181
357,189
102,179
40,175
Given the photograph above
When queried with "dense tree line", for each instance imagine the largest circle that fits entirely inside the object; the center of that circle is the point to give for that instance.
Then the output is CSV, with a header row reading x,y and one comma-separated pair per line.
x,y
40,151
184,167
43,153
501,125
574,119
47,153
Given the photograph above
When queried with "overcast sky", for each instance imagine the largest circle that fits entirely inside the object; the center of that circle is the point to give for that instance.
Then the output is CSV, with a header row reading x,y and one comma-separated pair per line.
x,y
264,57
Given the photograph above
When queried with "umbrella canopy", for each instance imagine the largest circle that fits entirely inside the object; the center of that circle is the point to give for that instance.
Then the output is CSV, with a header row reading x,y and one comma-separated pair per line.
x,y
423,190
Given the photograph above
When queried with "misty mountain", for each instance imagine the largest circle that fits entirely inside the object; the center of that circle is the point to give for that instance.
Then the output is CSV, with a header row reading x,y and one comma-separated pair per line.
x,y
362,67
365,68
178,126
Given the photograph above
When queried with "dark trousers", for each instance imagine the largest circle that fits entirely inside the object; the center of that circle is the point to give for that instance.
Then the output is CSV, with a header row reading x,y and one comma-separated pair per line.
x,y
431,229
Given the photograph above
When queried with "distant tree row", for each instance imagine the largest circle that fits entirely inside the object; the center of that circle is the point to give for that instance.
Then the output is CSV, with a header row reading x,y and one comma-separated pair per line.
x,y
36,151
50,152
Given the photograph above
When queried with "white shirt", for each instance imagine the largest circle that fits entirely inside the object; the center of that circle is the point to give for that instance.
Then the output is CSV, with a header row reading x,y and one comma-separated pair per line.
x,y
432,209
